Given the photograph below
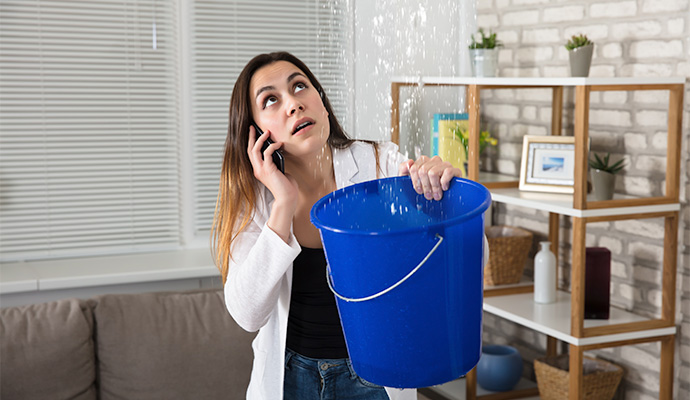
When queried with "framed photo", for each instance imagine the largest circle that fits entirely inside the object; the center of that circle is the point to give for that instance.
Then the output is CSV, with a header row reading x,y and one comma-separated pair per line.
x,y
548,164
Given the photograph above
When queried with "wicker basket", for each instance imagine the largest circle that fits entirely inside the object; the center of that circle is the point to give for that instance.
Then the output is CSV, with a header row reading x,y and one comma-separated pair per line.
x,y
508,250
600,379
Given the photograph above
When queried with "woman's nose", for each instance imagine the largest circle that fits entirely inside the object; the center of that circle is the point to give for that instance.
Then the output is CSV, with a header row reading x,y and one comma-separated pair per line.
x,y
294,106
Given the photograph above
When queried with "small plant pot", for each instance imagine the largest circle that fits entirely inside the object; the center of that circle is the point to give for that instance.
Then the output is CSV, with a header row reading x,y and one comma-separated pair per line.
x,y
499,368
603,183
484,62
580,60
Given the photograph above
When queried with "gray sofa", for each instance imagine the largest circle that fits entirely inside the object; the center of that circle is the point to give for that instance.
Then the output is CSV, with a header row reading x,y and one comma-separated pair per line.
x,y
177,345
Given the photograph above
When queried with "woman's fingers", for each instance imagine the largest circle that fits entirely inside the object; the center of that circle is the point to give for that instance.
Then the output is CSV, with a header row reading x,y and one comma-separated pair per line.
x,y
254,147
448,175
426,180
419,172
252,139
431,177
414,174
404,168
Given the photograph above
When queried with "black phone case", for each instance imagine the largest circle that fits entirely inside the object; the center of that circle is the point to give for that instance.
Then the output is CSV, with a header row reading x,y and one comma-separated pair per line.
x,y
278,158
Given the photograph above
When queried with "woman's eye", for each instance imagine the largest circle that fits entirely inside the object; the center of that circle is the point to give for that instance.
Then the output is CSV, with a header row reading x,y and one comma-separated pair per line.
x,y
270,100
300,86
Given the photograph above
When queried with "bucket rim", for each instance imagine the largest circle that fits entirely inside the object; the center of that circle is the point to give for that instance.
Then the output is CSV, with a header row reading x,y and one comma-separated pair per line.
x,y
482,207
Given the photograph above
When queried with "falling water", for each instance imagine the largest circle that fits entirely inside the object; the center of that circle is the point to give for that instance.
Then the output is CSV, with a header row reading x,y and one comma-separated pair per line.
x,y
405,38
414,39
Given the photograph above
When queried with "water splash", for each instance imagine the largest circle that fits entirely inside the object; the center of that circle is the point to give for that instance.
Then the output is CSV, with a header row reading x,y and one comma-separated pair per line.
x,y
405,38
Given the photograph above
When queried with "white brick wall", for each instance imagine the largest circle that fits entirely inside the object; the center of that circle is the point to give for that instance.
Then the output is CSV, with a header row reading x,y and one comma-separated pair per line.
x,y
530,17
656,49
654,6
646,251
540,36
633,38
618,269
561,14
636,30
635,141
638,186
610,117
613,9
642,358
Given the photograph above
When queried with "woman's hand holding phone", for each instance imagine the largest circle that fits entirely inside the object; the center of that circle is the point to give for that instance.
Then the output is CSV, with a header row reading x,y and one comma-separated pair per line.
x,y
282,186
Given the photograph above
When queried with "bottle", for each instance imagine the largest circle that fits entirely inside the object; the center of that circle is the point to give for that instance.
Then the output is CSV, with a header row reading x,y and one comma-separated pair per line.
x,y
544,275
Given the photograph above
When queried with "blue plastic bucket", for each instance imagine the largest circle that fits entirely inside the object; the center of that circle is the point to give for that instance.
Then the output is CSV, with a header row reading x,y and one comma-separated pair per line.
x,y
408,274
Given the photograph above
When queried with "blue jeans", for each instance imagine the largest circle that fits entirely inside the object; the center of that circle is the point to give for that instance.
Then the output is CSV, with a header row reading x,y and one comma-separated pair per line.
x,y
313,379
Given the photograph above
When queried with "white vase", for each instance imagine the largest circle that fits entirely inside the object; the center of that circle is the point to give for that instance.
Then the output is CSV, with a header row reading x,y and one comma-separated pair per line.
x,y
544,275
484,62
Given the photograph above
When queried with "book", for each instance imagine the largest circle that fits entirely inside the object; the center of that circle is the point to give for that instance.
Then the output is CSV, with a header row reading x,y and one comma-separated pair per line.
x,y
434,128
450,148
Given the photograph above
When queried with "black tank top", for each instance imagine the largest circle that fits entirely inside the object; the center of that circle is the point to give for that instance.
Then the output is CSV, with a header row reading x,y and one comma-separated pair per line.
x,y
313,324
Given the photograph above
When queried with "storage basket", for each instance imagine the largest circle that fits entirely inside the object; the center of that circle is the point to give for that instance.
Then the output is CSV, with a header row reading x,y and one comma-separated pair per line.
x,y
508,250
600,378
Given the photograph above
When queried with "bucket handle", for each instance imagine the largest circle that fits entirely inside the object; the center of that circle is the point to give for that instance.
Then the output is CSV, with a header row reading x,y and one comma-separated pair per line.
x,y
381,293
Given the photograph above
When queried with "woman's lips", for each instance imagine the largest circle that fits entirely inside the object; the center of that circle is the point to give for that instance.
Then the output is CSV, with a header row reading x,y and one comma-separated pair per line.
x,y
303,129
301,125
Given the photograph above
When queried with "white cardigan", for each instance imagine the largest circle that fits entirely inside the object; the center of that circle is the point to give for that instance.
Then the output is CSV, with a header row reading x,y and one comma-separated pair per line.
x,y
257,290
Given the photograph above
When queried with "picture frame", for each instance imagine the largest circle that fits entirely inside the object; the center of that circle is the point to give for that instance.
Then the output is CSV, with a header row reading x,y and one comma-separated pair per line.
x,y
548,164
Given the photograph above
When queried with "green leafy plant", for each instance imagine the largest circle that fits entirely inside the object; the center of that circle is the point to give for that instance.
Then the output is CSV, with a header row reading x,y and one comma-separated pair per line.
x,y
603,164
485,139
487,41
577,41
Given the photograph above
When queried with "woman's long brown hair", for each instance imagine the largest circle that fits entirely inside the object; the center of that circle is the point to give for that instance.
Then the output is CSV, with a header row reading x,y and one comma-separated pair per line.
x,y
237,192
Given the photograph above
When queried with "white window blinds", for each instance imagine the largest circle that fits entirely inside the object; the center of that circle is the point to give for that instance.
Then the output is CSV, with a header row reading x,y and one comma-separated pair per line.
x,y
226,35
88,128
93,153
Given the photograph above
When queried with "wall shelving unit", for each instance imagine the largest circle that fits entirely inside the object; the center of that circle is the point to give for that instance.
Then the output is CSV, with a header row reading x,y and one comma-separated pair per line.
x,y
564,320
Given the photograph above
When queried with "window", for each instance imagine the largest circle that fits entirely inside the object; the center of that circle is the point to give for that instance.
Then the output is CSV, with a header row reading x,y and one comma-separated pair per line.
x,y
89,131
96,131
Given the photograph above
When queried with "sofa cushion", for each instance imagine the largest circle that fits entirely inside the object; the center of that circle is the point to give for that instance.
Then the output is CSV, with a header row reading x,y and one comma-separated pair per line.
x,y
170,346
47,351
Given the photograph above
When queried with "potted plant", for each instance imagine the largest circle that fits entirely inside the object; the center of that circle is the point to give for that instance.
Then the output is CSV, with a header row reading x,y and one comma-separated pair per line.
x,y
580,50
485,139
484,54
604,175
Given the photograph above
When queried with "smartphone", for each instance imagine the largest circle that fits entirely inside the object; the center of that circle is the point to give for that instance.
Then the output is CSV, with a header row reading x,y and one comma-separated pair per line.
x,y
278,158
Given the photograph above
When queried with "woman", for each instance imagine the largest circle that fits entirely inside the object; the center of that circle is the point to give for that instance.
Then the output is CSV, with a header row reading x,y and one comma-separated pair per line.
x,y
270,255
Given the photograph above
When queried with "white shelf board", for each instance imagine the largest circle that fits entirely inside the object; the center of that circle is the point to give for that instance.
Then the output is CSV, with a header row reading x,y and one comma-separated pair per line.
x,y
563,203
492,177
455,390
554,319
106,270
524,281
547,82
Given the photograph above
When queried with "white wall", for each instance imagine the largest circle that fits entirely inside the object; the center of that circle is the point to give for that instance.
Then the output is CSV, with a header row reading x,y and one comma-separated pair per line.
x,y
407,38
